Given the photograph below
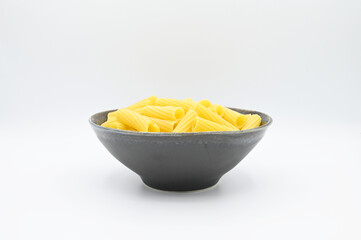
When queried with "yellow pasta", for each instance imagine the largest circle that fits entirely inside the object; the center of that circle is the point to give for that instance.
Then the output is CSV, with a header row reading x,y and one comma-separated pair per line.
x,y
190,100
164,125
234,117
185,125
116,125
204,112
173,102
179,116
165,113
112,117
217,109
136,121
205,103
252,121
146,102
204,125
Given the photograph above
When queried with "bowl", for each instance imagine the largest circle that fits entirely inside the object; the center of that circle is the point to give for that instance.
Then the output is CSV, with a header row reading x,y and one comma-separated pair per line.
x,y
179,161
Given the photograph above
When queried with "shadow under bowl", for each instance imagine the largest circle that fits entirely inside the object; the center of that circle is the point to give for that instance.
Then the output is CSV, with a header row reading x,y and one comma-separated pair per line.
x,y
179,161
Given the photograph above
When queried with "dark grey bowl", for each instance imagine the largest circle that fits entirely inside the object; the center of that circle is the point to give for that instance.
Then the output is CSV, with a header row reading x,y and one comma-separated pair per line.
x,y
179,161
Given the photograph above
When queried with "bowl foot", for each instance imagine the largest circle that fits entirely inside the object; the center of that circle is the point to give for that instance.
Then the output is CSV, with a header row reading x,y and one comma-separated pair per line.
x,y
181,186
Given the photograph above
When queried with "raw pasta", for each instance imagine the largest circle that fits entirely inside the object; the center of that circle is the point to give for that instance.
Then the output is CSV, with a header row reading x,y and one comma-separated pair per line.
x,y
116,125
204,125
164,125
205,113
179,116
173,102
217,109
166,113
234,117
185,125
252,121
190,100
205,103
112,117
136,121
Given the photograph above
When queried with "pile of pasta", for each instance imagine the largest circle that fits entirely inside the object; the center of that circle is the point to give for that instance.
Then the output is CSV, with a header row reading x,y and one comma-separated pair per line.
x,y
155,114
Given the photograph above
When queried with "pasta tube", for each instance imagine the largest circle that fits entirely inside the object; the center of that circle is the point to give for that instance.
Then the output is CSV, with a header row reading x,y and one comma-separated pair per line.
x,y
173,102
116,125
136,121
217,109
164,125
205,103
190,100
234,117
204,125
185,125
252,121
165,113
112,117
205,113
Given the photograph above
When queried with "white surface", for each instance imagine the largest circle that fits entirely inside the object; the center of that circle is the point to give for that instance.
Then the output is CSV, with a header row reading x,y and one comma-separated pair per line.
x,y
299,61
295,185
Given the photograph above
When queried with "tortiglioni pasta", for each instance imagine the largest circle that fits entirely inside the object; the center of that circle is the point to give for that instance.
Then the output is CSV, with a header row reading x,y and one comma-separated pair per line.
x,y
185,125
136,121
166,113
179,116
205,113
204,125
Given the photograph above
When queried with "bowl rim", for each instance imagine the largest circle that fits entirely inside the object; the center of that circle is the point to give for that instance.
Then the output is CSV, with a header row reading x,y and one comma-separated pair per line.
x,y
168,134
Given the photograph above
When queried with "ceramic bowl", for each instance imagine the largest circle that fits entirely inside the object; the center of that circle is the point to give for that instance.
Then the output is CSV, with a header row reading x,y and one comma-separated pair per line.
x,y
179,161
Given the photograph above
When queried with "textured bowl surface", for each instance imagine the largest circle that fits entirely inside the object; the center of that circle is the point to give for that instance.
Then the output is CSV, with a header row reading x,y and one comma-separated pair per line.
x,y
179,161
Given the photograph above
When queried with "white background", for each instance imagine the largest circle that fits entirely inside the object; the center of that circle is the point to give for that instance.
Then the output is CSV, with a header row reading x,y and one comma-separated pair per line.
x,y
299,61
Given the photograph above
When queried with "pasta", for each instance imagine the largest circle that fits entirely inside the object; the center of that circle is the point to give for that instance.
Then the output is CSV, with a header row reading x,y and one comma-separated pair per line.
x,y
173,102
190,100
205,103
155,114
185,125
233,117
164,125
136,121
166,113
112,117
116,125
204,112
203,125
218,109
252,121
